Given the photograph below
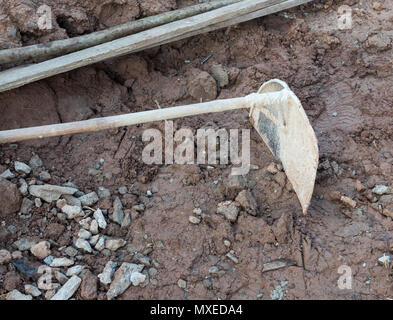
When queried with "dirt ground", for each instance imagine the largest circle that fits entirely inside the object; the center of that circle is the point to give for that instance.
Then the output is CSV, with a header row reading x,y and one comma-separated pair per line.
x,y
343,79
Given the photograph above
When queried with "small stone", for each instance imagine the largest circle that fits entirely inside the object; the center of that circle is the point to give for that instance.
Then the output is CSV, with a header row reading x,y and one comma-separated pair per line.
x,y
118,214
49,192
49,294
16,295
137,278
122,279
89,286
123,190
100,244
378,6
84,245
24,244
89,199
16,255
21,167
85,223
7,174
41,250
94,239
48,260
35,162
380,189
74,271
38,202
272,168
106,275
100,219
231,257
68,290
32,290
44,176
182,284
194,220
72,201
220,75
61,277
214,270
60,203
84,234
61,262
94,226
5,256
248,202
197,211
10,198
229,209
139,207
384,260
72,212
71,252
227,243
26,206
103,193
348,201
114,244
24,188
127,220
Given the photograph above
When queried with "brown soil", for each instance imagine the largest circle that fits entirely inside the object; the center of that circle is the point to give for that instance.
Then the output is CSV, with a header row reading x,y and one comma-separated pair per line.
x,y
343,79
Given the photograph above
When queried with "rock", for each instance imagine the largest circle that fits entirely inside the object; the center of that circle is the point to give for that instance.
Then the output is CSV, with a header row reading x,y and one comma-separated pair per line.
x,y
61,277
41,250
137,278
139,207
16,255
10,198
229,209
61,262
21,167
94,239
197,211
5,256
127,220
84,234
49,294
182,284
85,223
49,192
103,193
74,271
11,281
231,257
48,260
122,279
234,184
44,176
94,226
123,190
7,174
384,260
26,206
118,214
89,286
37,202
16,295
106,275
68,290
32,290
100,218
272,168
194,220
72,212
24,244
378,6
348,201
247,201
72,201
220,75
71,252
61,203
114,244
89,199
202,86
84,245
380,189
100,244
35,162
24,188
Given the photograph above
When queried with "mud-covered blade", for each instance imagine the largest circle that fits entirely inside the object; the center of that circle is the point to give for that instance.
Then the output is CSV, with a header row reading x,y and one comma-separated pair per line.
x,y
285,128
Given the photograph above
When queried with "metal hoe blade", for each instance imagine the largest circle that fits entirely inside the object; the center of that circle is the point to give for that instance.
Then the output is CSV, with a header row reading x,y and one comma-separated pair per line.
x,y
285,128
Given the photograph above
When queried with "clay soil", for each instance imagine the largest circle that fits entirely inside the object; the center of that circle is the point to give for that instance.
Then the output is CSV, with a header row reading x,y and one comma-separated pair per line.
x,y
344,81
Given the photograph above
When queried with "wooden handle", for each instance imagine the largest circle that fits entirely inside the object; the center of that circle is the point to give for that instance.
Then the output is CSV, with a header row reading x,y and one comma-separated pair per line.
x,y
97,124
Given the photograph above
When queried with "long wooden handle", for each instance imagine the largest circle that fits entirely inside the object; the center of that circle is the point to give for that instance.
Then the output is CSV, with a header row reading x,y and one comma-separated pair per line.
x,y
16,77
98,124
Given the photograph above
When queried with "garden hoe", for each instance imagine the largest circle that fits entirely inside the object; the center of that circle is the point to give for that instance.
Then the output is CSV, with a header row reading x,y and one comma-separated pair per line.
x,y
275,112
